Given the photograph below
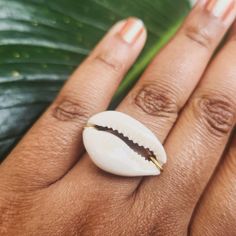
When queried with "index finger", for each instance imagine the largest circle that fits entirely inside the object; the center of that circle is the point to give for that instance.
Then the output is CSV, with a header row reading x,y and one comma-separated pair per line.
x,y
54,143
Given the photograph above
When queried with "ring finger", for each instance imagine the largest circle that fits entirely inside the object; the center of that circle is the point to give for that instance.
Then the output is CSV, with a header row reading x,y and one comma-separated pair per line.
x,y
174,73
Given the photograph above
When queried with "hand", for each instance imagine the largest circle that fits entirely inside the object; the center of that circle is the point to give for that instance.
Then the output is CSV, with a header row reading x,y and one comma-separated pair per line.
x,y
49,186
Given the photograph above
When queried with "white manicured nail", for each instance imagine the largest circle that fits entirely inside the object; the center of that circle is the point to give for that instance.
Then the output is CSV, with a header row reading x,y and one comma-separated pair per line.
x,y
131,30
220,8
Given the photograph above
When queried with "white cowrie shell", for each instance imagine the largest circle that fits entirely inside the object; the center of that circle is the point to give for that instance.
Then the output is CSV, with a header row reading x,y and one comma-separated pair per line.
x,y
112,154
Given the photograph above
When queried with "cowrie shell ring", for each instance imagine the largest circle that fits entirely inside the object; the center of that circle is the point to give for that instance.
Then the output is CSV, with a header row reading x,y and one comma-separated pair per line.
x,y
121,145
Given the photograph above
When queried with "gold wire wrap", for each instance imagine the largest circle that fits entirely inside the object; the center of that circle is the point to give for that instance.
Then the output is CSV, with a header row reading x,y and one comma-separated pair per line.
x,y
89,126
156,163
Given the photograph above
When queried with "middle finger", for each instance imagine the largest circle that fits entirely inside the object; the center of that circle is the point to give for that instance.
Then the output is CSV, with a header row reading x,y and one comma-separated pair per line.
x,y
170,79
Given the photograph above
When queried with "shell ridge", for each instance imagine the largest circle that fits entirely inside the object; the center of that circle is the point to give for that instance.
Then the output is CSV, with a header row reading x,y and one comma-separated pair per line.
x,y
133,141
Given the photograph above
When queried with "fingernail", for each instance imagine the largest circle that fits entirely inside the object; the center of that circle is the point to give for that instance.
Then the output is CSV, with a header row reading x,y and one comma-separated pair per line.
x,y
220,8
201,2
131,30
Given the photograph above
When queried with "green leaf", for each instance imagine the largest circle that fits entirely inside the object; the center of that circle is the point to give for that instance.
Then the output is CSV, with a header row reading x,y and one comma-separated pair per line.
x,y
42,42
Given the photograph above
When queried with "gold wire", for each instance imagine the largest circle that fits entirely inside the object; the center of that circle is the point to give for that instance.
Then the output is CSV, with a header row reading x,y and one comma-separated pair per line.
x,y
156,163
89,126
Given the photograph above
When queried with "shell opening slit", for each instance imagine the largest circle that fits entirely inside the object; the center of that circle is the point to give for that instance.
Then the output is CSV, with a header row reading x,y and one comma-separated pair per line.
x,y
139,149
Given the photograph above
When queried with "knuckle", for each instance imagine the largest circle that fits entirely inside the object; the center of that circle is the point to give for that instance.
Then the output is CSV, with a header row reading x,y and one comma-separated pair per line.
x,y
68,110
199,35
217,112
157,101
110,61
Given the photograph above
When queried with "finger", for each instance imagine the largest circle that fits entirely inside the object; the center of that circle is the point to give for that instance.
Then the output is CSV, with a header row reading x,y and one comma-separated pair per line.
x,y
164,89
198,139
53,145
215,214
174,73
